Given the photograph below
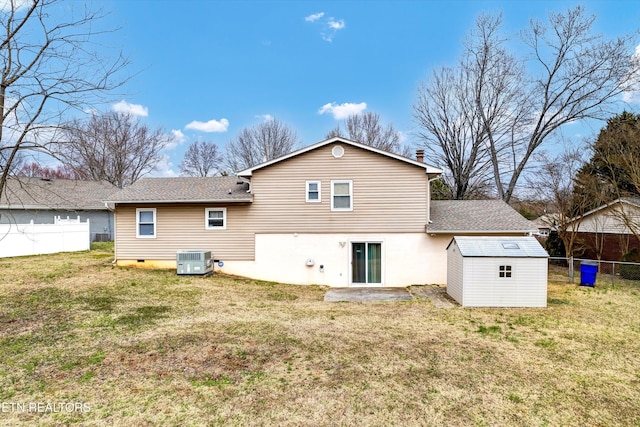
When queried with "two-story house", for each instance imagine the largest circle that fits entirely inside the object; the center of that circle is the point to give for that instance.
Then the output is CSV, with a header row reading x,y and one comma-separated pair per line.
x,y
335,213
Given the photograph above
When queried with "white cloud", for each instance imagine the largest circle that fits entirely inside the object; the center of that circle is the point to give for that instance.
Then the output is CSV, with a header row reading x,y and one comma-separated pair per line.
x,y
632,96
5,5
336,25
210,126
178,136
265,117
314,17
175,138
133,109
342,111
330,25
402,137
333,27
164,168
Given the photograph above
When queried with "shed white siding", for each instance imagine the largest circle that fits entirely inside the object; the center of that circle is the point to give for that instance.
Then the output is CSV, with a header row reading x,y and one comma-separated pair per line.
x,y
477,279
455,272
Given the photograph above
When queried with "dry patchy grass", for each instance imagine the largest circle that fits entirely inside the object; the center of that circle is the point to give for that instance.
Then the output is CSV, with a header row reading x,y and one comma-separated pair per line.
x,y
152,348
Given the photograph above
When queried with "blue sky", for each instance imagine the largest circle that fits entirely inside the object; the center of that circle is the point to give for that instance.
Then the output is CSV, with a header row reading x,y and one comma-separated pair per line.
x,y
206,69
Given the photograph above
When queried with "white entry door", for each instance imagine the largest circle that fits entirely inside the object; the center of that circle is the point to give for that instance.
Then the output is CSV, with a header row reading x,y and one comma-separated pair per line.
x,y
366,263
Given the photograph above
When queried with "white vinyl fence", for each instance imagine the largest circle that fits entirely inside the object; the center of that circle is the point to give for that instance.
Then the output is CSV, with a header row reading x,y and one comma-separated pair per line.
x,y
33,239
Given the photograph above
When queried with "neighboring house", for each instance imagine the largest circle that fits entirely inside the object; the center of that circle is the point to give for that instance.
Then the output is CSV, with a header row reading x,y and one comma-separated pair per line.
x,y
609,231
546,224
42,200
336,213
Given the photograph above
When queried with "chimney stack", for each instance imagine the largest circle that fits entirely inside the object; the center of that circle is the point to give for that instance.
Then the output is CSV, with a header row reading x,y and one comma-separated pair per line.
x,y
420,155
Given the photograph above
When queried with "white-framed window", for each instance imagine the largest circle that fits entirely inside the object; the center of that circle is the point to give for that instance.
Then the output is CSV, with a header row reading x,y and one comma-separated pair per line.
x,y
145,223
504,271
342,195
313,191
216,218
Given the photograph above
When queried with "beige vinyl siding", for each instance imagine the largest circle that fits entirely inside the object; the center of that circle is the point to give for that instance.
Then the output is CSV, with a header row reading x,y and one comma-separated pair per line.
x,y
610,220
182,228
389,196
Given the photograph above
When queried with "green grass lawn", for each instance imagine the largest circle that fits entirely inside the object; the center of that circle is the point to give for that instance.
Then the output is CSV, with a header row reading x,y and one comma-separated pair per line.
x,y
141,347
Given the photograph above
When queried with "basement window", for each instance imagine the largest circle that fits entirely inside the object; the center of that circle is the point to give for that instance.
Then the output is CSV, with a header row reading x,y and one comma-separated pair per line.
x,y
504,271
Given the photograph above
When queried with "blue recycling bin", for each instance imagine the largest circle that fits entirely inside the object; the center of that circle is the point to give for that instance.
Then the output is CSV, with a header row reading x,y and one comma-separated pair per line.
x,y
588,273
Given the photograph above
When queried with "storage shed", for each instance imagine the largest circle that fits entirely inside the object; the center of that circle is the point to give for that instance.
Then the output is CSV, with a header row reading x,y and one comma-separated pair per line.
x,y
497,271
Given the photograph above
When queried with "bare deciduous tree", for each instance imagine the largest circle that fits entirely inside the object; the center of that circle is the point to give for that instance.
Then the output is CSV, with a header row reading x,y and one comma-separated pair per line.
x,y
50,68
201,159
260,143
367,128
114,147
570,74
451,131
554,183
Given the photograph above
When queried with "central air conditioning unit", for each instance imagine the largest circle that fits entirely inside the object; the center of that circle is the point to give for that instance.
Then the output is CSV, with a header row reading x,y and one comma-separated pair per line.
x,y
194,262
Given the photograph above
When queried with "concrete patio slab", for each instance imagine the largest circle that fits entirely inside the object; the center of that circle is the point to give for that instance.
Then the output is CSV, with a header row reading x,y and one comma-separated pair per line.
x,y
367,294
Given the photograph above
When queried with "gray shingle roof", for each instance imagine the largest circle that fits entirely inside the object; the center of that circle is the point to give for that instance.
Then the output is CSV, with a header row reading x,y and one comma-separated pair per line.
x,y
185,190
500,246
476,216
37,193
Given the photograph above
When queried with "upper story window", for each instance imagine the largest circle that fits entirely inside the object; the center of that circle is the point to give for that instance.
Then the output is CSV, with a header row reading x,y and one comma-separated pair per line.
x,y
313,191
504,271
342,195
146,223
216,218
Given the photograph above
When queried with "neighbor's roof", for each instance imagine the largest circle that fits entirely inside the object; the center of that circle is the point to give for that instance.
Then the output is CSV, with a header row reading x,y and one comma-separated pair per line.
x,y
499,247
547,221
428,169
476,217
67,194
633,201
185,190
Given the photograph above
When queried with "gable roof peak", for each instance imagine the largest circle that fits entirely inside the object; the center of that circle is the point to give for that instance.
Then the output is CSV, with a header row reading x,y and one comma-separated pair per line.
x,y
430,170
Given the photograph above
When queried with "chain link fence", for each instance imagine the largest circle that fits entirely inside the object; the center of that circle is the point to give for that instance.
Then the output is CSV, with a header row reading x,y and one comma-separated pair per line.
x,y
610,271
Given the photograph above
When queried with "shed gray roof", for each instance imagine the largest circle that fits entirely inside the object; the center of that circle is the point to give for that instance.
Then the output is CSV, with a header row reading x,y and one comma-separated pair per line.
x,y
499,246
185,190
476,216
37,193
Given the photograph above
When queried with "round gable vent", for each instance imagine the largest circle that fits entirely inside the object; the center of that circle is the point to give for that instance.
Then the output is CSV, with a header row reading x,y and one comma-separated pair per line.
x,y
337,151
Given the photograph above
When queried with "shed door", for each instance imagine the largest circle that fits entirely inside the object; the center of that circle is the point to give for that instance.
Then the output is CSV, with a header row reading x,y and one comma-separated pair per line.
x,y
366,263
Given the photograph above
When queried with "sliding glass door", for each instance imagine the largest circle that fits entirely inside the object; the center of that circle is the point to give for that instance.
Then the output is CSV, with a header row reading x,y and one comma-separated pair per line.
x,y
366,263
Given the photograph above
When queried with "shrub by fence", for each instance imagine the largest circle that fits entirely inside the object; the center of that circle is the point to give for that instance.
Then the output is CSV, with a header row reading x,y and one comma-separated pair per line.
x,y
36,239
